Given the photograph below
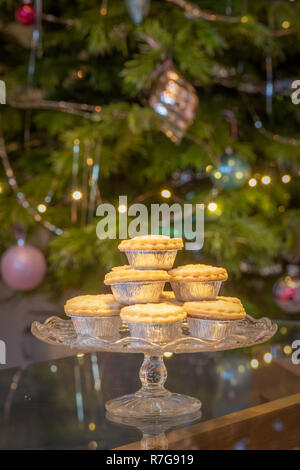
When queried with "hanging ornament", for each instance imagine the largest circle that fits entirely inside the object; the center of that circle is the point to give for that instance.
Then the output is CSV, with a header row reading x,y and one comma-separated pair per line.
x,y
175,99
25,14
232,172
138,10
23,267
287,290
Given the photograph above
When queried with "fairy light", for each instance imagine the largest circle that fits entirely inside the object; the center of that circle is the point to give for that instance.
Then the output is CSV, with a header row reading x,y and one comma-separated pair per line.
x,y
103,9
287,350
212,206
252,182
80,74
281,209
244,19
77,195
122,208
285,24
266,179
89,161
93,445
217,175
283,330
168,354
42,208
254,363
166,193
92,426
208,168
268,358
286,178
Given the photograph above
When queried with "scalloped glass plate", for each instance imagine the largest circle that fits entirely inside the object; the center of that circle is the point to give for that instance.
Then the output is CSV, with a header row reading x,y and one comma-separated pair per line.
x,y
247,332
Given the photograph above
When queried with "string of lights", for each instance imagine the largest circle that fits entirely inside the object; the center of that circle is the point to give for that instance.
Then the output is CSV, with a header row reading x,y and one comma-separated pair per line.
x,y
262,129
193,12
20,196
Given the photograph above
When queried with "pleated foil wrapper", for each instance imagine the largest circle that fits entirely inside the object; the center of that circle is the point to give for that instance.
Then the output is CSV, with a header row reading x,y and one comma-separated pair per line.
x,y
196,290
151,259
139,292
210,329
104,327
156,332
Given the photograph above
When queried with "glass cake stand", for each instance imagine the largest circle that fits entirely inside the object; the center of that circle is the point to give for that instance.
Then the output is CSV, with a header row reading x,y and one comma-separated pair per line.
x,y
153,399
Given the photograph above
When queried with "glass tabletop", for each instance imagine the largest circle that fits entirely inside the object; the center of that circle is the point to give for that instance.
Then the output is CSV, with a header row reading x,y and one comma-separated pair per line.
x,y
60,404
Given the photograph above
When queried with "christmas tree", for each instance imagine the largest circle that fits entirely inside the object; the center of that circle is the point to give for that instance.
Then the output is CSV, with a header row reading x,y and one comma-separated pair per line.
x,y
88,117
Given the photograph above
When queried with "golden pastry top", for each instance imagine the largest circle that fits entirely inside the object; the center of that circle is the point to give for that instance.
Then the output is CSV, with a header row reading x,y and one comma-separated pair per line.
x,y
229,299
215,310
134,275
151,243
118,268
167,295
92,305
198,272
153,313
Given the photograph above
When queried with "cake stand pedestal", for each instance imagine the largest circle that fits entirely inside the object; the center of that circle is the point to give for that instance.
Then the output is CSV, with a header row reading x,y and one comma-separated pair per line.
x,y
153,400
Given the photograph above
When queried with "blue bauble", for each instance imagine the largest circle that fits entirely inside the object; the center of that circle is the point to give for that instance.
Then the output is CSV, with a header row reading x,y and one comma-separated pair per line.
x,y
231,173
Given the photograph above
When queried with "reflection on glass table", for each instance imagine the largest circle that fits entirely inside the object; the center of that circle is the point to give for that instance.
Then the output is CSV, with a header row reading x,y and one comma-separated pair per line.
x,y
60,404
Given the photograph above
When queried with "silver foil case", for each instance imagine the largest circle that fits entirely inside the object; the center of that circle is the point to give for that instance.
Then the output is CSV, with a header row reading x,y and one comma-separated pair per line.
x,y
137,292
210,329
163,259
186,291
101,326
156,332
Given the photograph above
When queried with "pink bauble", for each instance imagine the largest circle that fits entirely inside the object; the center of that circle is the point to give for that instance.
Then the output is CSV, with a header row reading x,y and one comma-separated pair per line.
x,y
23,267
25,14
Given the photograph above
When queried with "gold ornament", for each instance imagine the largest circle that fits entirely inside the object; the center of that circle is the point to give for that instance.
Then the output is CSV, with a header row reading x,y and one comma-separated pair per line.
x,y
175,99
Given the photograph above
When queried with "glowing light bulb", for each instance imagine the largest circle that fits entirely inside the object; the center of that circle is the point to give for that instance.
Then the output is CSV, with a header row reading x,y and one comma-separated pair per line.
x,y
166,193
286,178
287,350
80,74
218,175
268,358
212,206
266,179
244,19
252,182
285,24
254,363
77,195
89,161
42,208
168,354
92,426
122,208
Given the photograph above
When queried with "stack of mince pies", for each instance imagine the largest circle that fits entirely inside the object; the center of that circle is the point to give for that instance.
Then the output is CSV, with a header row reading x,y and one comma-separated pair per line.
x,y
139,299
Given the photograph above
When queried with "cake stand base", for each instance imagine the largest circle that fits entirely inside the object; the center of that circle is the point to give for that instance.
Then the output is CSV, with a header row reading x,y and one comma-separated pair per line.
x,y
153,400
167,406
